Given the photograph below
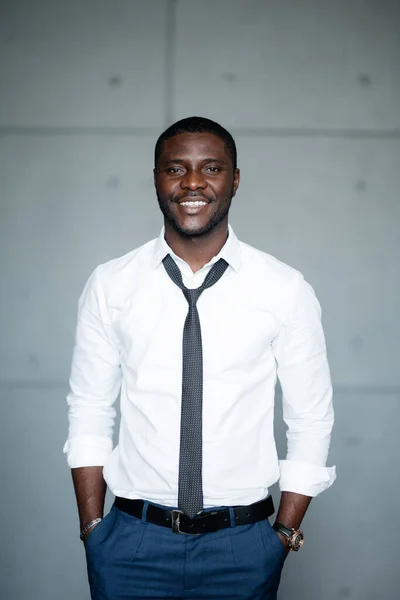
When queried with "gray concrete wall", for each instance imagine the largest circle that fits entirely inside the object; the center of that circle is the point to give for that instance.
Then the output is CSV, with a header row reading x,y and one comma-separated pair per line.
x,y
311,90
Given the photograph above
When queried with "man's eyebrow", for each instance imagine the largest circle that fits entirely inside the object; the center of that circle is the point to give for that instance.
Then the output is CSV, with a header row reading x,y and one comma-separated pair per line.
x,y
181,161
173,161
206,161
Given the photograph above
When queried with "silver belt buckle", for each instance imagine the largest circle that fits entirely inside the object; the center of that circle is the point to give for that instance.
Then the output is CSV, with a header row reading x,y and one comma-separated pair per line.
x,y
175,521
176,514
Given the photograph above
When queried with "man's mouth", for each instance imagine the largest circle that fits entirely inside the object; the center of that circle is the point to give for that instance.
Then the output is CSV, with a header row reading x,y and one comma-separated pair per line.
x,y
193,202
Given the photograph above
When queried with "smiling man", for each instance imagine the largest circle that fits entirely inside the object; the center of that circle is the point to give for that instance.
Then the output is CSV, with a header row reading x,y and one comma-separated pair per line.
x,y
192,329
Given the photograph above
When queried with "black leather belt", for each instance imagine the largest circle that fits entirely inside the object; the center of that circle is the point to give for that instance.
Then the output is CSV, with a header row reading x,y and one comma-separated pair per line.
x,y
206,522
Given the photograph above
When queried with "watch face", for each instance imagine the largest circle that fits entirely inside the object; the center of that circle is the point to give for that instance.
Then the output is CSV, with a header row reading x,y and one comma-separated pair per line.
x,y
297,540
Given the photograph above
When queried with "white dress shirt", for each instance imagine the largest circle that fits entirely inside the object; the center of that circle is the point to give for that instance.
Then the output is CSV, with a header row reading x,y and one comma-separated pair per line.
x,y
259,321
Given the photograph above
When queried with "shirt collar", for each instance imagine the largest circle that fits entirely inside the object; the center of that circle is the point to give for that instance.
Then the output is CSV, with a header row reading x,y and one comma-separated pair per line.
x,y
230,251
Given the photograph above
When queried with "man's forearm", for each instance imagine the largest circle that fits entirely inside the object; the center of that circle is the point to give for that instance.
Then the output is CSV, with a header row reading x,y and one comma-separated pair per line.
x,y
292,509
90,491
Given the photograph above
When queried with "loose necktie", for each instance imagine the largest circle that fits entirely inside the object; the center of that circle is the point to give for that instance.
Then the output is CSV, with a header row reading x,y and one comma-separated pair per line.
x,y
190,485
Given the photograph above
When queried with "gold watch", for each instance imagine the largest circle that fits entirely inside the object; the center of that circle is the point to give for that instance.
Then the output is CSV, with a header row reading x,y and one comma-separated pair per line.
x,y
294,537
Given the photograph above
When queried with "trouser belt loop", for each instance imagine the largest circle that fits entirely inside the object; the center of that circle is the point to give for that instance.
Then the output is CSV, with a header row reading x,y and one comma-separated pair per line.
x,y
144,511
232,516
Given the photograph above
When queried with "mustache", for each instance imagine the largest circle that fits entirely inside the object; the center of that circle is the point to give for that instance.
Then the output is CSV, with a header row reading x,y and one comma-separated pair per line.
x,y
192,195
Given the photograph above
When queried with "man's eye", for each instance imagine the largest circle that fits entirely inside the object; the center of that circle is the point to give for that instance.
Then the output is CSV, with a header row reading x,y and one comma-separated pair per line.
x,y
174,170
213,169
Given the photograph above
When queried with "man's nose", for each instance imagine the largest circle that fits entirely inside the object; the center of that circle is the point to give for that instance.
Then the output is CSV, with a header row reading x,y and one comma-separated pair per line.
x,y
193,180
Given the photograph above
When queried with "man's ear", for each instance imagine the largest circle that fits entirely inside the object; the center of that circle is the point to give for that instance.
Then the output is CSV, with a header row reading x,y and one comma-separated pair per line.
x,y
236,181
154,175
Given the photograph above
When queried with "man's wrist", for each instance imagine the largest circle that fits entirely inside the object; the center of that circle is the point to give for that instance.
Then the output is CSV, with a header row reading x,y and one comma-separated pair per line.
x,y
88,527
294,537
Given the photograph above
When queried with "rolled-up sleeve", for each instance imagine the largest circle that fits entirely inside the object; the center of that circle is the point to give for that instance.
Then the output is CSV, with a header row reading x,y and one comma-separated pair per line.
x,y
95,381
303,372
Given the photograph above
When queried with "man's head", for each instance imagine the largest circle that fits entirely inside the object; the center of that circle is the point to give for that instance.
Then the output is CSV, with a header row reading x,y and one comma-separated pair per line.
x,y
195,175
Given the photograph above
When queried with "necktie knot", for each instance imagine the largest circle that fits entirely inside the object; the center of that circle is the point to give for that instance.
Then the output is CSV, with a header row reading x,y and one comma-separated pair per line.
x,y
192,295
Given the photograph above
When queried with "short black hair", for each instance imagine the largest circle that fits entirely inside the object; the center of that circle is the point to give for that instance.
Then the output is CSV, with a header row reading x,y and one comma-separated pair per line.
x,y
197,125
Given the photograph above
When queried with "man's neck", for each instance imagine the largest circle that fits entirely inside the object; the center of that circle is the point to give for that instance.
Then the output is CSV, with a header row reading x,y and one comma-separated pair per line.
x,y
197,251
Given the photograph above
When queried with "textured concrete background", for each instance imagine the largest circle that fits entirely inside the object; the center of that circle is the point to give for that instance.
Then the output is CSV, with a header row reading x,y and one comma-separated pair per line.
x,y
311,91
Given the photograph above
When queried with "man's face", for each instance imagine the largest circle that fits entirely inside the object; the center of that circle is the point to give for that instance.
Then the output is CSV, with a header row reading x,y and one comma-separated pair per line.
x,y
195,182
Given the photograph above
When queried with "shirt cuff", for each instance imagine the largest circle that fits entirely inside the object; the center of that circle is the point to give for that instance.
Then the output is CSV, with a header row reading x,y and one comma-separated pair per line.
x,y
87,451
303,478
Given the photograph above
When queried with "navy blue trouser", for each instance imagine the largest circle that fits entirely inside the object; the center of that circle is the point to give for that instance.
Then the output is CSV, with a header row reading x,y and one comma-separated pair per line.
x,y
130,558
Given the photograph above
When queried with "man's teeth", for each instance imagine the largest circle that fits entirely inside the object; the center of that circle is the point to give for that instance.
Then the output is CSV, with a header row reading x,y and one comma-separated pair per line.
x,y
194,203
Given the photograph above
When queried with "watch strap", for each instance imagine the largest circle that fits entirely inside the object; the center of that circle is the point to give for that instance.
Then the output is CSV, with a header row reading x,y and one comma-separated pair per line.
x,y
286,531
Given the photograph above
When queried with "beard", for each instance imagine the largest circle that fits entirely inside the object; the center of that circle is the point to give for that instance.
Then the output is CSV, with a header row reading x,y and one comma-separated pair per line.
x,y
214,221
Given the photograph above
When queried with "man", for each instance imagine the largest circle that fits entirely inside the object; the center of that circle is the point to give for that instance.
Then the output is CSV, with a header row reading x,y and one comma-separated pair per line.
x,y
193,328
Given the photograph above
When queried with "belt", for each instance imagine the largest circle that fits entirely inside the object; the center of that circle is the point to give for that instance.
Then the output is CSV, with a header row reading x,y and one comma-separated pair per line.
x,y
206,522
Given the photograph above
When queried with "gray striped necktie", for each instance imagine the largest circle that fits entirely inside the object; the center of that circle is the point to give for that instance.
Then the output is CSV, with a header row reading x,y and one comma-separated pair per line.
x,y
190,485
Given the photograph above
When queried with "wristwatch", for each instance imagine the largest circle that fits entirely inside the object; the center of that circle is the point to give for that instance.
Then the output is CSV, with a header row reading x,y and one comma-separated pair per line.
x,y
295,537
